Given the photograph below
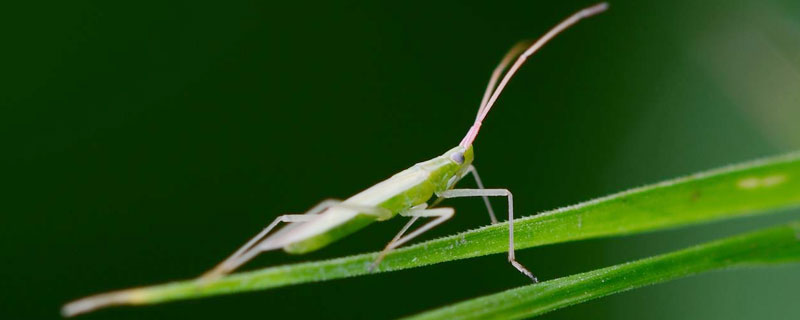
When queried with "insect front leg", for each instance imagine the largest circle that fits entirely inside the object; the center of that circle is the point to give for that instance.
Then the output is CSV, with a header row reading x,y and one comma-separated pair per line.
x,y
471,170
460,193
420,211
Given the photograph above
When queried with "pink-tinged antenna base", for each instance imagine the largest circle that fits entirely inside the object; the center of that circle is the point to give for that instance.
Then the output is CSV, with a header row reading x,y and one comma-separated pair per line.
x,y
489,100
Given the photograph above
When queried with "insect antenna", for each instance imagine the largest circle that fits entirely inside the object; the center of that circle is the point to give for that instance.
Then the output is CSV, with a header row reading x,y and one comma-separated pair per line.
x,y
492,93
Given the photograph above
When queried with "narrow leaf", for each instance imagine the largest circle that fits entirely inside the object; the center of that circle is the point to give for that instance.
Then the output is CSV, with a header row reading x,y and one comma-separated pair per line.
x,y
762,248
734,191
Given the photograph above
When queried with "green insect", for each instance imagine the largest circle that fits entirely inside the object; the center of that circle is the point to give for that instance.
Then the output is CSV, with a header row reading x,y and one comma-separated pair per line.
x,y
406,193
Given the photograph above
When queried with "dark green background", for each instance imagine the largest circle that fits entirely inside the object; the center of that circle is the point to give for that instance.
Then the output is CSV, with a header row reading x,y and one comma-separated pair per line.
x,y
142,142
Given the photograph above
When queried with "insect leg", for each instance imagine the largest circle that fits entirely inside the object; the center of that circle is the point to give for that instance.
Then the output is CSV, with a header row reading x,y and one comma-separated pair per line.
x,y
227,265
459,193
408,225
441,214
471,169
399,234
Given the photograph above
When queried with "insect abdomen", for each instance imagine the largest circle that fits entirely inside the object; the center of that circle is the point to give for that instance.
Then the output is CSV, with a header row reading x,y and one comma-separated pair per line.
x,y
415,195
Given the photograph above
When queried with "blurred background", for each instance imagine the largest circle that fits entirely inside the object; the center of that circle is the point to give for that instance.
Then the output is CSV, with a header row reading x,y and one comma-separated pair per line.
x,y
143,142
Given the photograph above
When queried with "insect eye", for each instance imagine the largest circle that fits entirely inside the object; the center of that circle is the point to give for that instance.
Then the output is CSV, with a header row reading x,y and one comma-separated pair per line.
x,y
458,157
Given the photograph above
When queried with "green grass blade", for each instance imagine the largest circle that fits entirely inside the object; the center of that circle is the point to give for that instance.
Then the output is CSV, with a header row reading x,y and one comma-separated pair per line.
x,y
713,195
766,247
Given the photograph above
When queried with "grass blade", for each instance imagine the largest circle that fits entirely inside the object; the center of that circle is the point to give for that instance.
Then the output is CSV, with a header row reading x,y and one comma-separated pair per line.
x,y
762,248
718,194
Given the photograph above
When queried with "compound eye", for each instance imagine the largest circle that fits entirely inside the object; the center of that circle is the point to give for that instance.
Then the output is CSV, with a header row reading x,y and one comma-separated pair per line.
x,y
458,157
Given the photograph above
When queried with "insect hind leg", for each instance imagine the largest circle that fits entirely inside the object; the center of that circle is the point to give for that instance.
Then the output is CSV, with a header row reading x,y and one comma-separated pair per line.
x,y
253,247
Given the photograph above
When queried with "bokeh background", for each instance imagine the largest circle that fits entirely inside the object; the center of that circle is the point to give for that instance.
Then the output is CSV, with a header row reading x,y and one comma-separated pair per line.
x,y
143,142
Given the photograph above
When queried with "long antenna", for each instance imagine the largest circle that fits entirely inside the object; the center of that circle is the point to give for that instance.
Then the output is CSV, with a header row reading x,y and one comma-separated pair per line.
x,y
486,105
515,51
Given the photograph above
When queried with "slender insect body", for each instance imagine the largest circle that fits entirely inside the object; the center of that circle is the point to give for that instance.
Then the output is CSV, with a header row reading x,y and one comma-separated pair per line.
x,y
402,191
407,192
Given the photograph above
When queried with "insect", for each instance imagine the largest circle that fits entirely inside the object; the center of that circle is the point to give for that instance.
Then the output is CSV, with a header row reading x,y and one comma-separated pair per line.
x,y
406,193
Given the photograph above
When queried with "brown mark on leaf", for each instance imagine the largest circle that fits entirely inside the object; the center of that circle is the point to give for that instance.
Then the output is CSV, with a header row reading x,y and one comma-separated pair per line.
x,y
695,195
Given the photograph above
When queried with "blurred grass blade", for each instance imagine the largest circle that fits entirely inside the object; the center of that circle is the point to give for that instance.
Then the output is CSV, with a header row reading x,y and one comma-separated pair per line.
x,y
713,195
762,248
